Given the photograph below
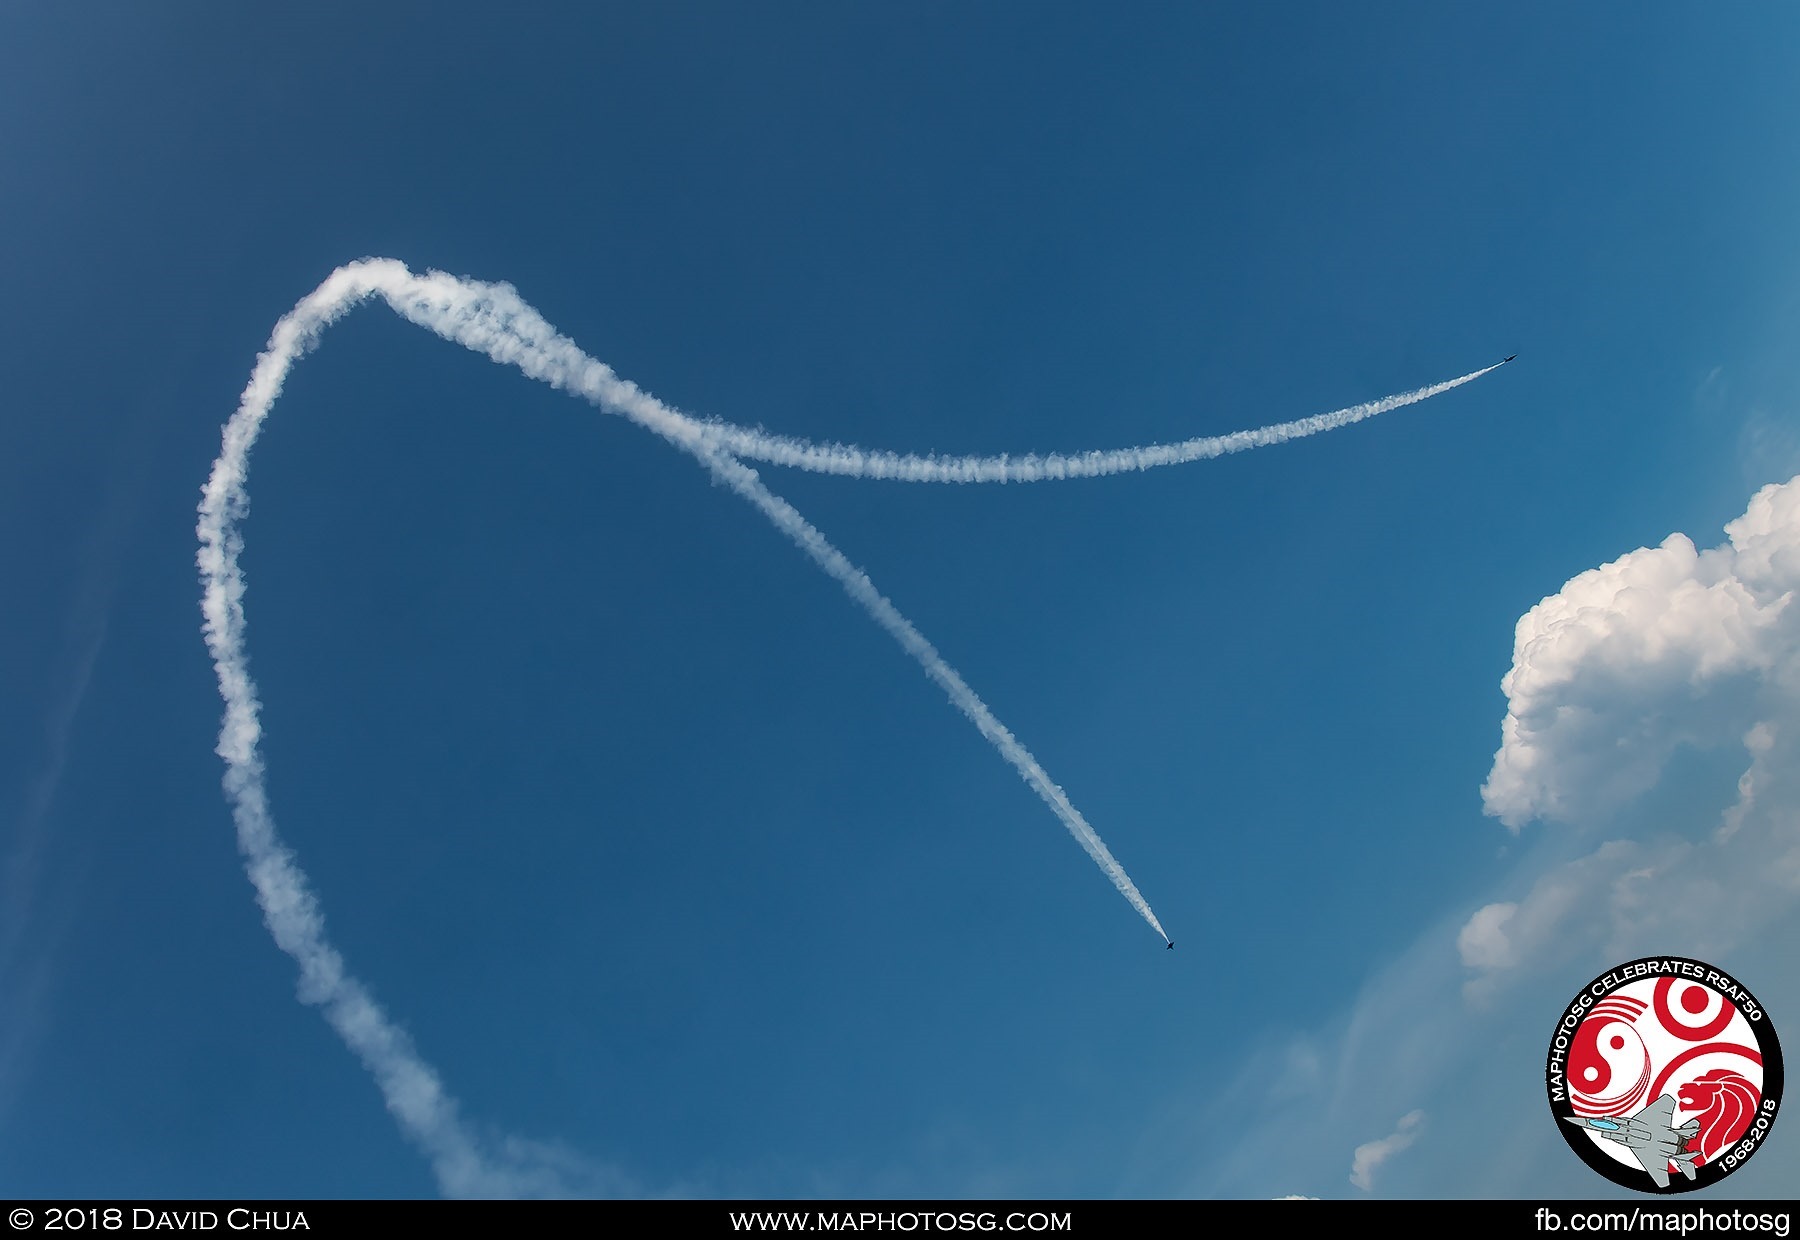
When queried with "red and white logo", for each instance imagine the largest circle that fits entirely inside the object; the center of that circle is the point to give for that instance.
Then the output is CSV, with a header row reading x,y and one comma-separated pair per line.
x,y
1664,1074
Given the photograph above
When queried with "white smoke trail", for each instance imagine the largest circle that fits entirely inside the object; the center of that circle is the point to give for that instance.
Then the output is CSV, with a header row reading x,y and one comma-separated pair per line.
x,y
511,332
856,583
408,1084
855,462
493,320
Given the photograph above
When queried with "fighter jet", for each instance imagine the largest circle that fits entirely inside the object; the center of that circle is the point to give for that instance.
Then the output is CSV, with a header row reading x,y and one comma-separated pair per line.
x,y
1505,360
1649,1138
1171,946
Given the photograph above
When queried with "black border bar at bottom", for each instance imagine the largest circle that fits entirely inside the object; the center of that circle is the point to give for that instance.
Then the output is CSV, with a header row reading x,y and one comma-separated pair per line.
x,y
1685,1217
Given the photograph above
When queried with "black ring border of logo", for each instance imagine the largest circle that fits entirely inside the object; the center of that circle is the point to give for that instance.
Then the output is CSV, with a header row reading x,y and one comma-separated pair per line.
x,y
1768,1043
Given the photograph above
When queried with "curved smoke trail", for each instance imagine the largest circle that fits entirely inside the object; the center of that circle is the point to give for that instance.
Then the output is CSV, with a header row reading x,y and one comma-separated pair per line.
x,y
852,461
492,319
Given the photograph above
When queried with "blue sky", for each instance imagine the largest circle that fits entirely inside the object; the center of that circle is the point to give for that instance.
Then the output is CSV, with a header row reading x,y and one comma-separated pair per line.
x,y
669,861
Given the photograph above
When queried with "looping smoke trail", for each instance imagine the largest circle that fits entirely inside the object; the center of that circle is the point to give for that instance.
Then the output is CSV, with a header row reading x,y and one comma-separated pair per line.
x,y
492,319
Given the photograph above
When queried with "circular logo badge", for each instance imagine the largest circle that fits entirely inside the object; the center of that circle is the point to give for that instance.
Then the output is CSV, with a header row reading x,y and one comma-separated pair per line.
x,y
1664,1074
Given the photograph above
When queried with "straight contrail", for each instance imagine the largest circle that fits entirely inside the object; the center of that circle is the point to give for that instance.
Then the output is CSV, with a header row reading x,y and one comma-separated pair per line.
x,y
492,319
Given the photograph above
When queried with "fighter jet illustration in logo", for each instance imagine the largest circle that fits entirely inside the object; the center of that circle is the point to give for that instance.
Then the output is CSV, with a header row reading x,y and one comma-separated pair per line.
x,y
1649,1137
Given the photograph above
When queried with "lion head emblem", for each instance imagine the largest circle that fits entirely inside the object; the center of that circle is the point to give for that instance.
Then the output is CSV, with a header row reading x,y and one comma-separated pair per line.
x,y
1726,1103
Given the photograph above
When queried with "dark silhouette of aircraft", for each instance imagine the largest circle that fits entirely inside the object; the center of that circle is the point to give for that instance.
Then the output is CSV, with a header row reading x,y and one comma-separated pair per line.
x,y
1171,946
1505,360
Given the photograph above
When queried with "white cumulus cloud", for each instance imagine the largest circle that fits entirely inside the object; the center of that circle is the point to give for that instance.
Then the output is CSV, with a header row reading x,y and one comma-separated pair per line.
x,y
1631,659
1663,648
1370,1155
